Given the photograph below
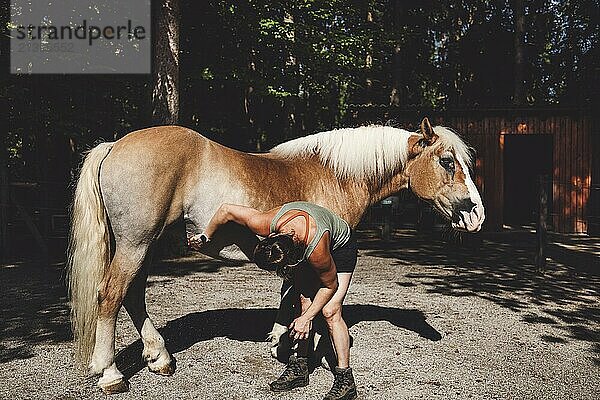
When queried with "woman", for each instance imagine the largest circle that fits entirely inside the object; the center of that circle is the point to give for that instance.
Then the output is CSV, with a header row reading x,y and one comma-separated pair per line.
x,y
294,233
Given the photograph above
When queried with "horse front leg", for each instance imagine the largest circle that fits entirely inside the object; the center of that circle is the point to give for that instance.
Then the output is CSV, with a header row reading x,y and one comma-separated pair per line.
x,y
119,275
280,343
155,353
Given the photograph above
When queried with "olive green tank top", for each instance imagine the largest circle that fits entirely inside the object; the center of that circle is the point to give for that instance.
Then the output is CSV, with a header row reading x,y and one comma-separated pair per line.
x,y
326,221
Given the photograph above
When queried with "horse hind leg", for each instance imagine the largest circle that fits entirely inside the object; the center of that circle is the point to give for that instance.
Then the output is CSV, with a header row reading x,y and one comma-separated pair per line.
x,y
280,343
155,353
119,275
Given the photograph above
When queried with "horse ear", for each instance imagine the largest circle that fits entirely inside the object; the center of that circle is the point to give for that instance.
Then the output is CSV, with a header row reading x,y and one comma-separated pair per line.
x,y
427,132
416,144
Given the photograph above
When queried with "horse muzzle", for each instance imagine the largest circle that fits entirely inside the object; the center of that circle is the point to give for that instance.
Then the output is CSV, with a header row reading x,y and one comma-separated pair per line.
x,y
468,216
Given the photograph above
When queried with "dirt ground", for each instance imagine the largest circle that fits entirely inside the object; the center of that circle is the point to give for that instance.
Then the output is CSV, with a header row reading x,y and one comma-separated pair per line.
x,y
429,322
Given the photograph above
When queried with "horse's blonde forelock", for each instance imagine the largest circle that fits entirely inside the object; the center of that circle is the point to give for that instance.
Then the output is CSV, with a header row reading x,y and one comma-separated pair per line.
x,y
369,152
450,140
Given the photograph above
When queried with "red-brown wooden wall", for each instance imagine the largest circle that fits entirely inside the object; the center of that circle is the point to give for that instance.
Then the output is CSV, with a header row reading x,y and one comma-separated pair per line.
x,y
572,160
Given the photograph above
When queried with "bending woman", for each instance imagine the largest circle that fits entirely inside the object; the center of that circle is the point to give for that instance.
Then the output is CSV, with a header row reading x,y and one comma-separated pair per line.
x,y
294,233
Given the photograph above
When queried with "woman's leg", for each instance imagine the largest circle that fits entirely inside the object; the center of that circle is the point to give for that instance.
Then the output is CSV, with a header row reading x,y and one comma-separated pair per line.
x,y
343,387
338,330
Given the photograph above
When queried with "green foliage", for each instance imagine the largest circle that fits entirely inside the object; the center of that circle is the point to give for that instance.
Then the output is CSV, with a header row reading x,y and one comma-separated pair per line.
x,y
289,68
256,72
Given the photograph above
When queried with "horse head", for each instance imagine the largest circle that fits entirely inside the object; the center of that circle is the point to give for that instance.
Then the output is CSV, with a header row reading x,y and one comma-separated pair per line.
x,y
437,171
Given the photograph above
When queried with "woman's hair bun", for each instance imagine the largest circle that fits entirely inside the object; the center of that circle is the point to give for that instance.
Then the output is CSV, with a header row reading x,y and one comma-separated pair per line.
x,y
279,253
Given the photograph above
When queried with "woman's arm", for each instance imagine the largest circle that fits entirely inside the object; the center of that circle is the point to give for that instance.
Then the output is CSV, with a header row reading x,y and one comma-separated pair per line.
x,y
323,264
257,221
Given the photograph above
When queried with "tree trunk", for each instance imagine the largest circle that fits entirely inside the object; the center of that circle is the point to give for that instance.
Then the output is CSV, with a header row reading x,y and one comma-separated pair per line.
x,y
4,211
519,15
396,94
252,138
291,66
165,93
369,56
165,97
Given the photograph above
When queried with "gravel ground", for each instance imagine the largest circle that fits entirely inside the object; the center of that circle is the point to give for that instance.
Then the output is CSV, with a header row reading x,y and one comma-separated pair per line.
x,y
428,322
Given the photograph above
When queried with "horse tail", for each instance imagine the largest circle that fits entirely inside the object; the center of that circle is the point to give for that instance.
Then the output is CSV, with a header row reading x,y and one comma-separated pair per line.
x,y
88,254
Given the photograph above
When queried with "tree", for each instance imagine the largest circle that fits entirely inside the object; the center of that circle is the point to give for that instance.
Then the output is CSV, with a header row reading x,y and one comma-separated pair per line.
x,y
519,21
166,68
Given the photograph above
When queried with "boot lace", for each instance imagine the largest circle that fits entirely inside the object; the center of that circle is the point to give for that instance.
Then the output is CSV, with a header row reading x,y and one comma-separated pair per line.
x,y
291,370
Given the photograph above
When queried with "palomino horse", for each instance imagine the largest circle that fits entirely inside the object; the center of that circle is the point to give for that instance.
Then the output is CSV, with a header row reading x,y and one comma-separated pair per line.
x,y
130,190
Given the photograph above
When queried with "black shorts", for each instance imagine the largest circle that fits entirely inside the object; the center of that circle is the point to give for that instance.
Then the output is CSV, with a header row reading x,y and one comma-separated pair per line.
x,y
345,256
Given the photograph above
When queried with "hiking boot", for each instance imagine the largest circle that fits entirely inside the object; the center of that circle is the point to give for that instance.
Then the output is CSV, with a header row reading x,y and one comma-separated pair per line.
x,y
344,387
295,375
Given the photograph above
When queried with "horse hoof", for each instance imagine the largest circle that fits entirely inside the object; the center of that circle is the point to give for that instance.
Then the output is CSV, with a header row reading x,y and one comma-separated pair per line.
x,y
165,370
325,363
120,386
274,351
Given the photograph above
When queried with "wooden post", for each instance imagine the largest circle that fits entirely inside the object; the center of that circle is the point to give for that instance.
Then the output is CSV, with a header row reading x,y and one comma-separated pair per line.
x,y
387,211
44,254
386,228
4,250
541,229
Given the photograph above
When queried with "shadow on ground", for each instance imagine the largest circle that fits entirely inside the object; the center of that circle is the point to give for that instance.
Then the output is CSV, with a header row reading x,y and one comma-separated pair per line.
x,y
188,265
502,271
33,309
254,324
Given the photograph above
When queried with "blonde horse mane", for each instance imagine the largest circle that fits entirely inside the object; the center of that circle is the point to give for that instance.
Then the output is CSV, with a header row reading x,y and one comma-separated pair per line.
x,y
370,152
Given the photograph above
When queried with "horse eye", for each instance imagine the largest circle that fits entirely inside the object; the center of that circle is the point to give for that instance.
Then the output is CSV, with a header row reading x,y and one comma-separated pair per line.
x,y
448,164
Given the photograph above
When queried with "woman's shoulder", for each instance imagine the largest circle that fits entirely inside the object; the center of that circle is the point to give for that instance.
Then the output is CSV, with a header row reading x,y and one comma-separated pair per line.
x,y
298,203
306,205
314,210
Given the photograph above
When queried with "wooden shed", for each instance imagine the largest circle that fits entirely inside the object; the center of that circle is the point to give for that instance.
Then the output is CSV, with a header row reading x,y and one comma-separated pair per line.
x,y
516,146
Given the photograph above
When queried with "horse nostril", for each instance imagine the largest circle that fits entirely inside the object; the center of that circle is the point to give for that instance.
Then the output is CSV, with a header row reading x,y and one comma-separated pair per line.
x,y
465,205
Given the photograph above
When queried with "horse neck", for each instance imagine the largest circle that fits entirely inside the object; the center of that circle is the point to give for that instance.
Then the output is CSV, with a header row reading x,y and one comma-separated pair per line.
x,y
395,183
389,187
350,198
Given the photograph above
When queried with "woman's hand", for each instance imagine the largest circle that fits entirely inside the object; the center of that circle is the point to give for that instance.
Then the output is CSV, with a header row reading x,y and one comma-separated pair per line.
x,y
300,328
197,241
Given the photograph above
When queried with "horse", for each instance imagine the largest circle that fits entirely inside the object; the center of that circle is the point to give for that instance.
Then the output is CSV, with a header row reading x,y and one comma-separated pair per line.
x,y
130,190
